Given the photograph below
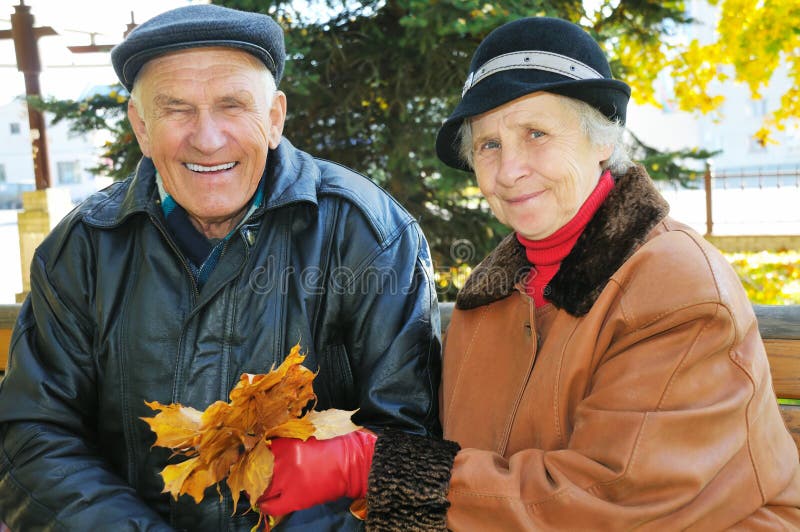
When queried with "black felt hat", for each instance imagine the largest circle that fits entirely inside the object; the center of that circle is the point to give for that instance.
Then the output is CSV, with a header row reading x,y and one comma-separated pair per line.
x,y
196,26
531,55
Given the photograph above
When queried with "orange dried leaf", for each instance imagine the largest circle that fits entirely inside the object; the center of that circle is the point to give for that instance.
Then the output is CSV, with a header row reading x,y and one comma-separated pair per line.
x,y
300,428
230,441
176,426
253,473
219,465
288,387
197,482
175,475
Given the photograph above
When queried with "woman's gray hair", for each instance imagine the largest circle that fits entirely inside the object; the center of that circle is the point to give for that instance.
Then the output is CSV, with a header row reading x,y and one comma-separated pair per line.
x,y
269,81
596,126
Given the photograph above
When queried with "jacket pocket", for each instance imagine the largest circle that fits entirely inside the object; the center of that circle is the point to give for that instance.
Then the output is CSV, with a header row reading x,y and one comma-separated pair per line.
x,y
335,387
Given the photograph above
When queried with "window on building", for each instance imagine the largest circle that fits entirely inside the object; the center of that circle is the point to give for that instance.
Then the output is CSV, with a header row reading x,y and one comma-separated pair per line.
x,y
14,128
69,172
2,173
758,107
793,139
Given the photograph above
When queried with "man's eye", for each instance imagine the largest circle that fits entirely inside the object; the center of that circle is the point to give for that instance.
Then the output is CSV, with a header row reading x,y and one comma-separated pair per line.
x,y
489,145
535,133
178,110
231,106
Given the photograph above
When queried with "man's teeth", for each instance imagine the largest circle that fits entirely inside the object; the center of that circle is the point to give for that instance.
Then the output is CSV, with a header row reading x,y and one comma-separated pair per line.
x,y
200,168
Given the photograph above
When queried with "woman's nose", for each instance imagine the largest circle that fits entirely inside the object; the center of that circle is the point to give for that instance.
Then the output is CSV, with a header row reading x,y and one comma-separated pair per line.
x,y
514,165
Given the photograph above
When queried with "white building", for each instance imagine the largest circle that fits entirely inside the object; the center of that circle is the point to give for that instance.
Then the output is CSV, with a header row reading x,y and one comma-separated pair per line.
x,y
731,129
70,156
756,188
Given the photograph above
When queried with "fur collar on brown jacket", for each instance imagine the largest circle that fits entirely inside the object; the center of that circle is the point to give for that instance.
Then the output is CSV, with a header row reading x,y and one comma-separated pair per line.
x,y
621,224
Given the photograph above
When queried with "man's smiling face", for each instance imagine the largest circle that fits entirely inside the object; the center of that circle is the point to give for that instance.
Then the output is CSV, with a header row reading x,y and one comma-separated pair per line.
x,y
207,117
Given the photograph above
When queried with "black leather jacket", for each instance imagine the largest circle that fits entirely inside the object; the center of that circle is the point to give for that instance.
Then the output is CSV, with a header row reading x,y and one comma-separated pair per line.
x,y
114,319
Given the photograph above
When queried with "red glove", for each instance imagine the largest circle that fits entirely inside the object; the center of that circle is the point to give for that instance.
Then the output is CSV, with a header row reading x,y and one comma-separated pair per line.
x,y
311,472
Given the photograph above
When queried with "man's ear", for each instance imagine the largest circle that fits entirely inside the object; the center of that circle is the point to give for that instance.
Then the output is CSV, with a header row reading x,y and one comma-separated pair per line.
x,y
139,128
277,117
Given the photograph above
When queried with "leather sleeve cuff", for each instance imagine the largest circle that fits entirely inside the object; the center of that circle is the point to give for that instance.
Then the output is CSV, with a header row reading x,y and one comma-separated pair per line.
x,y
408,482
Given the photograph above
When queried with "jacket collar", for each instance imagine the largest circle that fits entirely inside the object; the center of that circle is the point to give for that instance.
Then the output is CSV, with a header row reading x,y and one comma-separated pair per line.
x,y
291,176
621,224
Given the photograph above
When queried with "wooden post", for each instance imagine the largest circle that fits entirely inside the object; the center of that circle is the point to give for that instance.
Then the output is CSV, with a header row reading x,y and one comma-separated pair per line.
x,y
45,206
130,27
26,39
709,217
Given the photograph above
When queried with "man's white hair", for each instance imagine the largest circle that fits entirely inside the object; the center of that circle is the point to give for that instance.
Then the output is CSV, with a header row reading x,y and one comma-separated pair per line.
x,y
595,125
269,83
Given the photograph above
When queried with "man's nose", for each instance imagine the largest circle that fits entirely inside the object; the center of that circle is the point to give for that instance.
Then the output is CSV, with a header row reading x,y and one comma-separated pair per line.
x,y
208,136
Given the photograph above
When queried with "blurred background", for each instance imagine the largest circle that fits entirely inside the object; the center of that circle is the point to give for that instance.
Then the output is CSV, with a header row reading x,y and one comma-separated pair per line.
x,y
715,88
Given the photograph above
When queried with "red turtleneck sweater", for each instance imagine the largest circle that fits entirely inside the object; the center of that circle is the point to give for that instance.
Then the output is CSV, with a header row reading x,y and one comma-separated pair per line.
x,y
546,255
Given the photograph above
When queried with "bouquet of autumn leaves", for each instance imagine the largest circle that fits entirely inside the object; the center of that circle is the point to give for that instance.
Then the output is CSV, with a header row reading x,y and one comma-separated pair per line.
x,y
231,441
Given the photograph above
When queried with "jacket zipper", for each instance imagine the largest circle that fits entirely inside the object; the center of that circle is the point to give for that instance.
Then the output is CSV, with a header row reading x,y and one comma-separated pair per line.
x,y
195,291
195,297
521,391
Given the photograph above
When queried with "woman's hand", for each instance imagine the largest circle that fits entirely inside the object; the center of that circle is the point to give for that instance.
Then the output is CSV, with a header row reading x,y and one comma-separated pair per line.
x,y
311,472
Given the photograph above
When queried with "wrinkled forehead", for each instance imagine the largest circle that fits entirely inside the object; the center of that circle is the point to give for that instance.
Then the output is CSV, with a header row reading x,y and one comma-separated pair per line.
x,y
194,60
537,107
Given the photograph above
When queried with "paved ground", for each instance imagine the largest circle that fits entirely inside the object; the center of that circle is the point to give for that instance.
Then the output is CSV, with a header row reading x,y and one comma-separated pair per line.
x,y
749,211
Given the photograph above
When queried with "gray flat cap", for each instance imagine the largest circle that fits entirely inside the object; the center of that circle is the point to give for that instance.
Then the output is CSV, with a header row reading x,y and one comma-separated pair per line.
x,y
194,26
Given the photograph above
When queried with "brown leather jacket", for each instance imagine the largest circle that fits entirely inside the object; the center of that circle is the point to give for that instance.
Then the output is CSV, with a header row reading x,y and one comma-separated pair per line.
x,y
640,398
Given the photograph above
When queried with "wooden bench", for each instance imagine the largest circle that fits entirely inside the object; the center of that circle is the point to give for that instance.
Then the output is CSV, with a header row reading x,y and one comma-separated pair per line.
x,y
8,315
780,329
779,326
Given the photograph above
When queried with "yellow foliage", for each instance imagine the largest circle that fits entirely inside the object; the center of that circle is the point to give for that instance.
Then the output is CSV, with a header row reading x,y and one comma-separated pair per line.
x,y
643,62
694,70
769,278
231,441
753,36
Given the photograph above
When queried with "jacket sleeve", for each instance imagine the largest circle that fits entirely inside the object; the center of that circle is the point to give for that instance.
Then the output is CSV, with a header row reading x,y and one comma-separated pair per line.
x,y
644,444
52,476
388,319
408,482
392,336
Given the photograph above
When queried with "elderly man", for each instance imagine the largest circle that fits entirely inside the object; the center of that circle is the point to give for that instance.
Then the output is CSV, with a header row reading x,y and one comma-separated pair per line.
x,y
227,247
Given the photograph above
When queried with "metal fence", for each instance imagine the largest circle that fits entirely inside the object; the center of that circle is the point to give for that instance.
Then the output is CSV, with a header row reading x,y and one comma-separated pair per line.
x,y
740,201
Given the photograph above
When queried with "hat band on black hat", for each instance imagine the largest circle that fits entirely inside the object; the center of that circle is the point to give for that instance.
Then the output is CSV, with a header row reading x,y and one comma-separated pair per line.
x,y
533,60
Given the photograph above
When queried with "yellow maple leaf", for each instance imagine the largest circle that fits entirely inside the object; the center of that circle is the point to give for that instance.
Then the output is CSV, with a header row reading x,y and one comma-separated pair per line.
x,y
175,475
331,423
178,425
230,441
253,473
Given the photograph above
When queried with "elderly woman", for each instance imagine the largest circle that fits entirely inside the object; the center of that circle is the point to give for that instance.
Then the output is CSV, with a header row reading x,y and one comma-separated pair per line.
x,y
603,367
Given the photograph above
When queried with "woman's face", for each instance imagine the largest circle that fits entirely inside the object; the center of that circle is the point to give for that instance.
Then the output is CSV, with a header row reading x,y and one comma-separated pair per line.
x,y
535,166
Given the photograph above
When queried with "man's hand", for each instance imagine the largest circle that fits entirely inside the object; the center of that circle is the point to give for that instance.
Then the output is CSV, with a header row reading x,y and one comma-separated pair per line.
x,y
311,472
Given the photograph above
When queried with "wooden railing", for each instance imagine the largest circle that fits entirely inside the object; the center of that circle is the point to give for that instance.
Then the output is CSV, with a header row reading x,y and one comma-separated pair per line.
x,y
779,326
